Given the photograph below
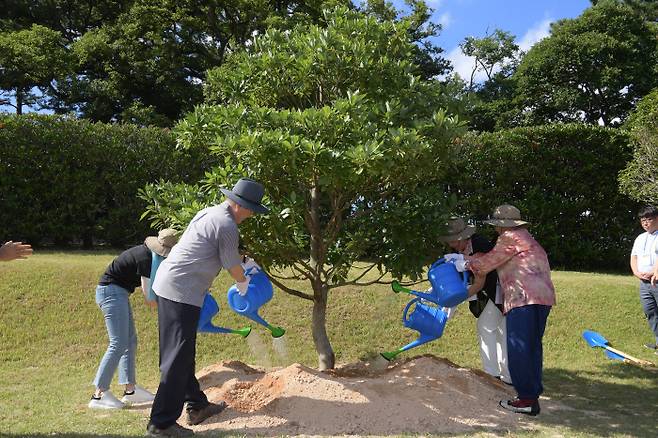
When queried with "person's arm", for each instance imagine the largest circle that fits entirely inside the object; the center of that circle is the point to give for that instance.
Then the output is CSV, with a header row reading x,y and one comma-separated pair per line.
x,y
636,272
503,251
14,250
146,282
477,285
237,273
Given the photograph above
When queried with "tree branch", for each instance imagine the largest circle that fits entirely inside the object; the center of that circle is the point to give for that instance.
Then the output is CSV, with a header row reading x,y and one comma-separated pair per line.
x,y
291,291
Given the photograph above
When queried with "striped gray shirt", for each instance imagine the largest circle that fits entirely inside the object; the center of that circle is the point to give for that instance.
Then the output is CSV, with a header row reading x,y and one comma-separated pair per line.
x,y
209,244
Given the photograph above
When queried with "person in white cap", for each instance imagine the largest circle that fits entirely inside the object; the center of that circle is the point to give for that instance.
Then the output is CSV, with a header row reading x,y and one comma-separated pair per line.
x,y
528,296
483,303
209,244
132,268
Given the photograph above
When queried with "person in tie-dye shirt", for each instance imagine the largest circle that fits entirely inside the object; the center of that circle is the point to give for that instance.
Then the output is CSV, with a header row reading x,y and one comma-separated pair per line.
x,y
528,295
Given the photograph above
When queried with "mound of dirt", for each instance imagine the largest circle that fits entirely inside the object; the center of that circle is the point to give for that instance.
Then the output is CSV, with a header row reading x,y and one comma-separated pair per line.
x,y
421,395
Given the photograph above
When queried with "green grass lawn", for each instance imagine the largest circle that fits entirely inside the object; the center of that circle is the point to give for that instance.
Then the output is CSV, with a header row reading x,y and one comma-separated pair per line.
x,y
52,337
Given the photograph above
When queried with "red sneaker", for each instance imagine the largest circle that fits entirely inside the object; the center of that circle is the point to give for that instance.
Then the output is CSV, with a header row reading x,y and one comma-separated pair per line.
x,y
521,406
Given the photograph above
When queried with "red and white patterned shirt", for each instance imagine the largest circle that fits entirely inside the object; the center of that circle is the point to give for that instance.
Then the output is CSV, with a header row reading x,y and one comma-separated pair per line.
x,y
523,270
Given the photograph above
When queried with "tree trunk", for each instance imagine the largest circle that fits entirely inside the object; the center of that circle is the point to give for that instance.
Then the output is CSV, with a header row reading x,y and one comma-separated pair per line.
x,y
326,356
19,102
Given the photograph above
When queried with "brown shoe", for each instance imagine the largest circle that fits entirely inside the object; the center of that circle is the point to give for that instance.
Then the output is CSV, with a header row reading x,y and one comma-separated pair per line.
x,y
175,430
196,416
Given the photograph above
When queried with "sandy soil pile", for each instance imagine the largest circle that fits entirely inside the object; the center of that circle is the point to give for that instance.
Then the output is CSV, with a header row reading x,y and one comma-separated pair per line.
x,y
421,395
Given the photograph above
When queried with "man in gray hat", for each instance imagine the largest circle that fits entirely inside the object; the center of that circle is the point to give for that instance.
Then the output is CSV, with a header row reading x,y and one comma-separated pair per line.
x,y
209,244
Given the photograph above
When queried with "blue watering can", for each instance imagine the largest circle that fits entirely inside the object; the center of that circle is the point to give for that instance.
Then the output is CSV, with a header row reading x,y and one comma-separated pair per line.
x,y
209,309
426,319
156,259
258,293
448,287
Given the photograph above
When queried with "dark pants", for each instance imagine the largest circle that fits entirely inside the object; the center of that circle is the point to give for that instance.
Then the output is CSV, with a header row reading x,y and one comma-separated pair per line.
x,y
649,300
177,324
525,329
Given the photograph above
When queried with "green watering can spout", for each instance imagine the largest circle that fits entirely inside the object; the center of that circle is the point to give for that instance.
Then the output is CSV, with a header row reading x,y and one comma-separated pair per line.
x,y
390,355
277,332
244,331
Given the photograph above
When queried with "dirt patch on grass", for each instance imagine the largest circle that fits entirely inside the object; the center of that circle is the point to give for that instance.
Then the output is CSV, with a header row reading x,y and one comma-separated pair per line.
x,y
421,395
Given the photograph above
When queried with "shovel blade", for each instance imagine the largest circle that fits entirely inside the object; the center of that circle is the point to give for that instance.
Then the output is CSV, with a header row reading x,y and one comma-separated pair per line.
x,y
594,339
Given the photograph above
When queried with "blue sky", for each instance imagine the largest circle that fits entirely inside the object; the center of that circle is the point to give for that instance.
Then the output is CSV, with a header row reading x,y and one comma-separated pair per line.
x,y
529,21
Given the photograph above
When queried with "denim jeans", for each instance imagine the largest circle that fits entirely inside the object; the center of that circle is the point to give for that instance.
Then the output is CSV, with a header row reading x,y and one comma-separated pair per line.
x,y
113,302
649,300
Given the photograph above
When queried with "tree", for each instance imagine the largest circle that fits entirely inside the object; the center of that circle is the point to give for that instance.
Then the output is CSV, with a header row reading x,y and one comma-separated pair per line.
x,y
142,61
639,180
491,104
29,59
492,53
593,68
350,144
421,30
647,8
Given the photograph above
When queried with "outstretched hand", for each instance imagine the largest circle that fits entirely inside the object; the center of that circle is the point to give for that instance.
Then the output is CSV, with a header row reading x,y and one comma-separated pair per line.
x,y
14,250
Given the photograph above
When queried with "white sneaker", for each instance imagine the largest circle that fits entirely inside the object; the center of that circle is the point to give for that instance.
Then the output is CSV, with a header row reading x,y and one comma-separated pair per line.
x,y
107,400
139,395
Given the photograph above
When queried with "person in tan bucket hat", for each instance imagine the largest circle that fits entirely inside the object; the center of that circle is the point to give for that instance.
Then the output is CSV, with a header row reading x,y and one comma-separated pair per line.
x,y
132,268
528,296
464,239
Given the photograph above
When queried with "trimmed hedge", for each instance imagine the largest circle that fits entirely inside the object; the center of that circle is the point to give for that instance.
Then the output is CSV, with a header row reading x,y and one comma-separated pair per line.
x,y
563,178
65,180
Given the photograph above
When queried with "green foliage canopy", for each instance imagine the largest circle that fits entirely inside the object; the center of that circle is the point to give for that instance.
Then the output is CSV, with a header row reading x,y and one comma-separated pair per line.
x,y
640,177
30,58
592,68
349,143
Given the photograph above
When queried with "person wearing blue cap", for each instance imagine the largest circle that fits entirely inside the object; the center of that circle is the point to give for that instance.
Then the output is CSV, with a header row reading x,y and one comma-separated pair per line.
x,y
208,245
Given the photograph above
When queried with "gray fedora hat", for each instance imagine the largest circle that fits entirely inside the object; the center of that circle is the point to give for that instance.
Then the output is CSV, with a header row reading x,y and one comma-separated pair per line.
x,y
248,194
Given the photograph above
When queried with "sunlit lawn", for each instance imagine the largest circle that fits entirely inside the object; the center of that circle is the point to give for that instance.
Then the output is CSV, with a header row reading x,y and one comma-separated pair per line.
x,y
52,337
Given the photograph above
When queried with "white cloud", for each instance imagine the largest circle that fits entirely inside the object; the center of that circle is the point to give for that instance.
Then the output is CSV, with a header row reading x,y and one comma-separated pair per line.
x,y
434,4
445,20
536,33
463,65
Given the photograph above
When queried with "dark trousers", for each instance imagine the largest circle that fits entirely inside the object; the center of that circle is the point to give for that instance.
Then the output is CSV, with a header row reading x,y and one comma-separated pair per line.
x,y
525,329
177,324
649,300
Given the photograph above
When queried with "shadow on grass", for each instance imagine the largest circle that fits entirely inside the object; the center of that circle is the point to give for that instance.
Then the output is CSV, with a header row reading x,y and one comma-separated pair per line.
x,y
615,399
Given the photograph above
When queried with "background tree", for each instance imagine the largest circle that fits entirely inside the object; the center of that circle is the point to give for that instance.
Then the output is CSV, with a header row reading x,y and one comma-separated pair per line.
x,y
29,59
646,8
350,144
593,68
142,61
491,104
495,53
640,178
